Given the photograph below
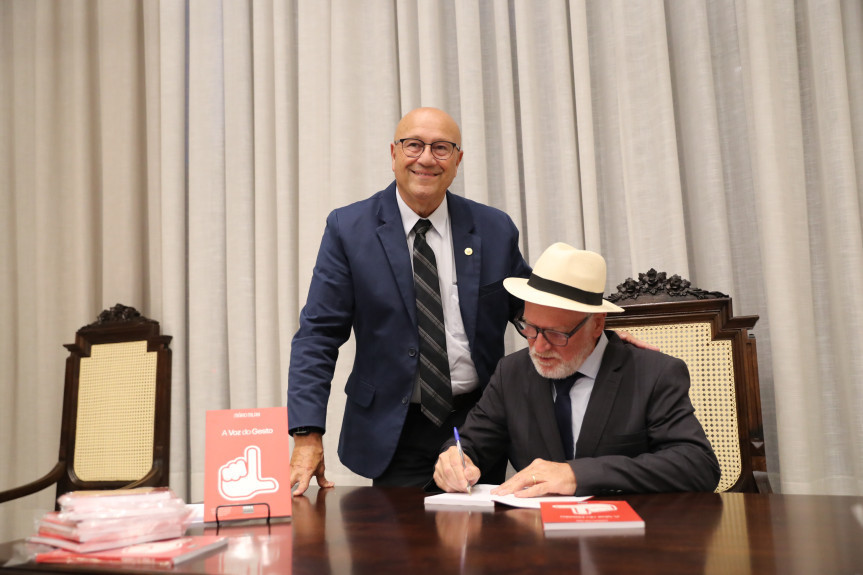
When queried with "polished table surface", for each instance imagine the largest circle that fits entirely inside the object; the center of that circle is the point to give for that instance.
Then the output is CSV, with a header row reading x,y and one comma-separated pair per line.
x,y
357,530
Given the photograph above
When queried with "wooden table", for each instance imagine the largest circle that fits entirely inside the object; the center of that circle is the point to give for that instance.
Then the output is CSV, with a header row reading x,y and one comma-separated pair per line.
x,y
361,530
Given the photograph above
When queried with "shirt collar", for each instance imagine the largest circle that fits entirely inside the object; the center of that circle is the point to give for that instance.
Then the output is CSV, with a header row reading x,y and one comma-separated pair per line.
x,y
590,367
439,218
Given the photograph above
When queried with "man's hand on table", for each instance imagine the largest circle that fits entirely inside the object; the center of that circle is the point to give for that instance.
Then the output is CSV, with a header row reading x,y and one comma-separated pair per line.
x,y
540,478
307,460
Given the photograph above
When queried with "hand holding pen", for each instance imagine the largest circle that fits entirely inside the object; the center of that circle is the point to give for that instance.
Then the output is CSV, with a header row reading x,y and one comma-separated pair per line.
x,y
461,455
454,472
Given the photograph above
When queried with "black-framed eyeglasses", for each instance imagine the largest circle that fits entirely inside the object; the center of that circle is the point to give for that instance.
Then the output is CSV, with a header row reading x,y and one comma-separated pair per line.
x,y
414,148
556,338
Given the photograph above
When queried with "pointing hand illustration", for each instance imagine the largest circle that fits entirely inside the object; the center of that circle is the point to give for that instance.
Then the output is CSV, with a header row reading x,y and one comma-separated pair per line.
x,y
241,478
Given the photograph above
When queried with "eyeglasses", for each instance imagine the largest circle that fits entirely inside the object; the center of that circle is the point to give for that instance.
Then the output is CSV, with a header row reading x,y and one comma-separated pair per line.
x,y
414,148
556,338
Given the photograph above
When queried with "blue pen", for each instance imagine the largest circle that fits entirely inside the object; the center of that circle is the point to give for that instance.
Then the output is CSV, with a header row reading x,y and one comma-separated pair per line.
x,y
461,454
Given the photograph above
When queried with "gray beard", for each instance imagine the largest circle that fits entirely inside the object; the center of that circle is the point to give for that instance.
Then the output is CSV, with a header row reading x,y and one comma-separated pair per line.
x,y
560,371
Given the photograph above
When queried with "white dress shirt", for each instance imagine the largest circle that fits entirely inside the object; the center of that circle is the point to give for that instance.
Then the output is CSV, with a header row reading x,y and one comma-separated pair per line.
x,y
461,368
579,395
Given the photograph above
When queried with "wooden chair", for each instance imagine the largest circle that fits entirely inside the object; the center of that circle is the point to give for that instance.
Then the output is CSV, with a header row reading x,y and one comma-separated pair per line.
x,y
699,327
116,422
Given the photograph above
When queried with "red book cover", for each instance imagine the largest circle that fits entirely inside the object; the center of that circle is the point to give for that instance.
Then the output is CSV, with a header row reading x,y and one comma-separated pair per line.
x,y
122,540
157,553
247,463
590,516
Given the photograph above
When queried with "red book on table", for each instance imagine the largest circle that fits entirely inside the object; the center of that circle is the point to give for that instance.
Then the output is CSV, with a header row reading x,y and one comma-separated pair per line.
x,y
163,553
247,464
590,516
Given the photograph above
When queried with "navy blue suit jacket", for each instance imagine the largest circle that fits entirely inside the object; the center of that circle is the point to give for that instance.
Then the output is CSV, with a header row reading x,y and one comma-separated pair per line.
x,y
363,281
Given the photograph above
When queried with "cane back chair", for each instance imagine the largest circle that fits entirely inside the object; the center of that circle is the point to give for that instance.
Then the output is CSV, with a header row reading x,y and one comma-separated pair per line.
x,y
699,327
115,429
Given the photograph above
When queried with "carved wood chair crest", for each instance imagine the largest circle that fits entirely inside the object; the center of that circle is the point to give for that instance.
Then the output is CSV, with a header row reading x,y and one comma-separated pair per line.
x,y
656,286
119,313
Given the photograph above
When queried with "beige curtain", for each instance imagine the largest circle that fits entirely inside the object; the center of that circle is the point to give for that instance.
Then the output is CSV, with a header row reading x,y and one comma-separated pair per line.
x,y
181,156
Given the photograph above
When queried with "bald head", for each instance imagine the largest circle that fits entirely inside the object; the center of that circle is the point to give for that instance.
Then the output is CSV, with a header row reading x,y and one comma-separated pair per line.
x,y
423,180
428,117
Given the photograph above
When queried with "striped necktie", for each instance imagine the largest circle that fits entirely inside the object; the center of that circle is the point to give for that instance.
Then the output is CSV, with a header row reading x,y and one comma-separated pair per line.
x,y
435,385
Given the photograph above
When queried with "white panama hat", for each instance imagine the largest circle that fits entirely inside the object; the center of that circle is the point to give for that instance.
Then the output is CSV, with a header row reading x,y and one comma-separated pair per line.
x,y
567,278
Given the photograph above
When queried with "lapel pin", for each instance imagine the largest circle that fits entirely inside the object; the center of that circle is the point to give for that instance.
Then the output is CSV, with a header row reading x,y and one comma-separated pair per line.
x,y
468,251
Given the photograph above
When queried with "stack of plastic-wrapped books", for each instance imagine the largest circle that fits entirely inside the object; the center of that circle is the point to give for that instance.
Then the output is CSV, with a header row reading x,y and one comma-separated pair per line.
x,y
120,525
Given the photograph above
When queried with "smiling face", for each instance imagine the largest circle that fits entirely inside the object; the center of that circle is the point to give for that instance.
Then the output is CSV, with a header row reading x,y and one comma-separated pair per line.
x,y
556,362
423,181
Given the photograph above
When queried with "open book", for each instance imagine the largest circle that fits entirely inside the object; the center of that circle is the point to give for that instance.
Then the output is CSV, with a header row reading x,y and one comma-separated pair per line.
x,y
482,498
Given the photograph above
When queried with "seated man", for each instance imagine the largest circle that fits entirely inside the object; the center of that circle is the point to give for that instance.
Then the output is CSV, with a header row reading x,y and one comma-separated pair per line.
x,y
580,411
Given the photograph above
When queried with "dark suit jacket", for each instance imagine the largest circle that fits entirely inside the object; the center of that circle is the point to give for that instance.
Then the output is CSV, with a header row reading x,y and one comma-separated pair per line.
x,y
639,432
363,281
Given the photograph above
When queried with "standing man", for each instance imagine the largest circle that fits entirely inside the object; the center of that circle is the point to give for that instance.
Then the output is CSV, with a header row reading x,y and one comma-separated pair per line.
x,y
580,411
417,272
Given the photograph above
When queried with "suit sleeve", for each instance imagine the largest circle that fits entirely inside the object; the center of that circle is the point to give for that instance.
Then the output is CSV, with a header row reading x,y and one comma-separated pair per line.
x,y
485,432
678,455
325,324
520,269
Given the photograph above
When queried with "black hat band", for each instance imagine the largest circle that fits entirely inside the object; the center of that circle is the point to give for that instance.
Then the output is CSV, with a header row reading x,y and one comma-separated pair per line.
x,y
566,291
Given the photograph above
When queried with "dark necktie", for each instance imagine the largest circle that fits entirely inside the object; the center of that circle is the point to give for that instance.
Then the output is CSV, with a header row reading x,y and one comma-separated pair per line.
x,y
563,413
435,385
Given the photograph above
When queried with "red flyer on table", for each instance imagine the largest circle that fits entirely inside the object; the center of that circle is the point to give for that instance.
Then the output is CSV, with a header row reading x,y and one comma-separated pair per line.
x,y
590,516
164,553
247,464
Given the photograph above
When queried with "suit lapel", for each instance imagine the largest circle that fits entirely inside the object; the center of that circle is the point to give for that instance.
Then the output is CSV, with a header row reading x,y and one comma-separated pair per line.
x,y
467,250
391,233
605,390
540,400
